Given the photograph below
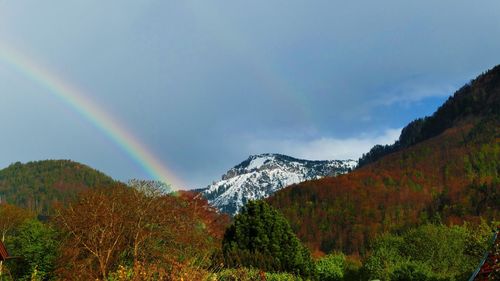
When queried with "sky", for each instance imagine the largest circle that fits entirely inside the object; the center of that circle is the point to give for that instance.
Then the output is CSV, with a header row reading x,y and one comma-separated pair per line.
x,y
201,85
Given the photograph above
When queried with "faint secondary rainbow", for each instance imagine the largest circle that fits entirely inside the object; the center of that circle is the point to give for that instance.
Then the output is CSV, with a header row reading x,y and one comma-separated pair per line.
x,y
93,113
284,90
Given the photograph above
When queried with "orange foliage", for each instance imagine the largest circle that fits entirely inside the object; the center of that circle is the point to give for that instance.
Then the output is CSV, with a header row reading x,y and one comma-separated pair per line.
x,y
108,227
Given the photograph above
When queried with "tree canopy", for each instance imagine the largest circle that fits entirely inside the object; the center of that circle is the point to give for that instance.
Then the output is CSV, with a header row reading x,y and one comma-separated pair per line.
x,y
37,185
428,252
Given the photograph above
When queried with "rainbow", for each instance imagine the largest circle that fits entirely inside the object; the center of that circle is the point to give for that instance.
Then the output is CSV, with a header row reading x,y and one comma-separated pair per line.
x,y
93,113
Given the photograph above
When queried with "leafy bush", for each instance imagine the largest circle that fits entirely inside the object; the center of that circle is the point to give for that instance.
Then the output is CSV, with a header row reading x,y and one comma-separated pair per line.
x,y
412,271
239,274
37,245
352,270
282,277
249,274
331,267
428,252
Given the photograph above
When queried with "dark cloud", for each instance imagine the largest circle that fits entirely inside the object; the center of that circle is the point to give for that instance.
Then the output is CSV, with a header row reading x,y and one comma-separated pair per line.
x,y
204,84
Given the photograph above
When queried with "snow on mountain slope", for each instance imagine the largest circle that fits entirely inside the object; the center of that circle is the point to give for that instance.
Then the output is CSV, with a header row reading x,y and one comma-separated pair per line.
x,y
261,175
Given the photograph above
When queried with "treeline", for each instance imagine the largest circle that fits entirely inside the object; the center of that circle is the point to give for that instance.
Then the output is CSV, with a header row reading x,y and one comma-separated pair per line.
x,y
478,98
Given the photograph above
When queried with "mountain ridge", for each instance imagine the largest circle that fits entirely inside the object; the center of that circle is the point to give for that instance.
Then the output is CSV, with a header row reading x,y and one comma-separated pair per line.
x,y
260,175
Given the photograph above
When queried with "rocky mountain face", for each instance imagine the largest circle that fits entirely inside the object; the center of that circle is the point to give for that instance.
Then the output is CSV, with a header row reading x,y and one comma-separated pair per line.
x,y
260,176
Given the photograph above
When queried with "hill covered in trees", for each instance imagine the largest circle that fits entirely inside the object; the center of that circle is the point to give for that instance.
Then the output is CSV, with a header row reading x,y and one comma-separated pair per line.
x,y
36,185
444,168
478,98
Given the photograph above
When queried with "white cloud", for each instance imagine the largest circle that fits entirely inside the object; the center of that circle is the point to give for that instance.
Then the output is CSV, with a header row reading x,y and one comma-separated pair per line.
x,y
327,148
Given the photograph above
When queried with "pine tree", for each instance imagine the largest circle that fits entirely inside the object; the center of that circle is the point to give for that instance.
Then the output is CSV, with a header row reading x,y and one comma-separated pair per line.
x,y
261,237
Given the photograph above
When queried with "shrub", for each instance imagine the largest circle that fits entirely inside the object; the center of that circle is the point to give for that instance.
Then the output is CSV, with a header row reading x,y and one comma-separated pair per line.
x,y
428,252
249,274
331,267
37,245
412,271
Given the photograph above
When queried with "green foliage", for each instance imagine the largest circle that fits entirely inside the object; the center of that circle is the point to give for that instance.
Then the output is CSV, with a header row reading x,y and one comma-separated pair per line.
x,y
249,274
238,274
352,270
484,163
412,271
282,277
440,244
37,246
386,254
261,237
331,267
36,185
428,252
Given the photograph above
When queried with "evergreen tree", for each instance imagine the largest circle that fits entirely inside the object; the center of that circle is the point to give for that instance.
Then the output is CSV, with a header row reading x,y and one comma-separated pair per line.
x,y
261,237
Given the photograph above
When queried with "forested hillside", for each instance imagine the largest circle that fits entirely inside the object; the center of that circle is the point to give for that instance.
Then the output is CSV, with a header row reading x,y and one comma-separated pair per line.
x,y
478,98
36,185
445,168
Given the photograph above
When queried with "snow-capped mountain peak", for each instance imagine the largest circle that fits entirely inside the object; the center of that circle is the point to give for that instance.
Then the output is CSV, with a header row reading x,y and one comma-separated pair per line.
x,y
259,176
